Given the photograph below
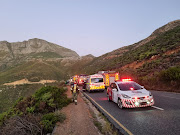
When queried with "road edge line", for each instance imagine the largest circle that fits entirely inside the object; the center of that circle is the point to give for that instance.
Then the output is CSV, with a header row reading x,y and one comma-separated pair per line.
x,y
157,108
121,125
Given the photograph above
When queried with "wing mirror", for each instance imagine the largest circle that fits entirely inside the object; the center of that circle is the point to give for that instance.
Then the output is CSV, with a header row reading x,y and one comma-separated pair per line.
x,y
114,89
142,87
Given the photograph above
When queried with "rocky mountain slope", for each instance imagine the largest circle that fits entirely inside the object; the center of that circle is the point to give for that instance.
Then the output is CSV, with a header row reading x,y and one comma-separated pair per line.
x,y
33,60
147,60
13,53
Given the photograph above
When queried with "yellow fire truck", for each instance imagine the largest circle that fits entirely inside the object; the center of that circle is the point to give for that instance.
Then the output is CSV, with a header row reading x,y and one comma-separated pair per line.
x,y
109,77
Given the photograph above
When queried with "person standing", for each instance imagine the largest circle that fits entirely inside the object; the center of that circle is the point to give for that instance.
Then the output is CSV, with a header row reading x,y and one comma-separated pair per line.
x,y
75,92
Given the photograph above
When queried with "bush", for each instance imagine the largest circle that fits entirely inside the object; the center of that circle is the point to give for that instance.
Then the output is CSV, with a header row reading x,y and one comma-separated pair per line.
x,y
23,125
171,74
2,117
49,120
45,100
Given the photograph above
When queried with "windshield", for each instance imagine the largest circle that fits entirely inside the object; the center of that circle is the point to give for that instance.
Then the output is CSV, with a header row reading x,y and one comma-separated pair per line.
x,y
129,86
96,80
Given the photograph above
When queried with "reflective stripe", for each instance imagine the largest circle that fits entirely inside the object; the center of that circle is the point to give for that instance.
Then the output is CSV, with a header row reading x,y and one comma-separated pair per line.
x,y
74,90
133,101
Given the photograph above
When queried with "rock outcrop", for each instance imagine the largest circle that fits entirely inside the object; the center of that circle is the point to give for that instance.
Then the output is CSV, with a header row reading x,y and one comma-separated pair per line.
x,y
35,46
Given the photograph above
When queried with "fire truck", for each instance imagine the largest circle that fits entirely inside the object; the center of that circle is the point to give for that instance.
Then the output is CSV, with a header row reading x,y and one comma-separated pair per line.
x,y
109,77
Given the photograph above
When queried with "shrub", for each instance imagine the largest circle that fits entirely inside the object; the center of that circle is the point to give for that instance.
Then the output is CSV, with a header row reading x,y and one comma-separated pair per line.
x,y
45,100
23,125
171,74
49,120
2,117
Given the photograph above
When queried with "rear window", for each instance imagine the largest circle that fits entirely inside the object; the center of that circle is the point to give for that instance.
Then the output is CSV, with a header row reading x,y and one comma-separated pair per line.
x,y
129,86
96,80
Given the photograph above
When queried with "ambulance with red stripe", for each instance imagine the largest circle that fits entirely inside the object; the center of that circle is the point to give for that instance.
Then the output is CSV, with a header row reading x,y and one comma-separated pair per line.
x,y
95,83
128,94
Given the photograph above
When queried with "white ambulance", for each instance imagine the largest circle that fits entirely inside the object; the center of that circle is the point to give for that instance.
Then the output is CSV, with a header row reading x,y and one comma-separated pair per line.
x,y
95,83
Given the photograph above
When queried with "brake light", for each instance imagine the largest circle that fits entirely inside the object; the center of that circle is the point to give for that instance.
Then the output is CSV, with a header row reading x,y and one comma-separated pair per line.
x,y
131,88
126,80
135,98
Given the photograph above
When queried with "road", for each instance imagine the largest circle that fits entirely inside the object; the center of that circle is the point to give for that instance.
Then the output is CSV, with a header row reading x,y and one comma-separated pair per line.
x,y
161,119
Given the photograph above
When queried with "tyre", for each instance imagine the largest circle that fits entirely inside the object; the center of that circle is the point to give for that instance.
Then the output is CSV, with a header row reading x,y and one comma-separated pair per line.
x,y
108,98
75,102
120,104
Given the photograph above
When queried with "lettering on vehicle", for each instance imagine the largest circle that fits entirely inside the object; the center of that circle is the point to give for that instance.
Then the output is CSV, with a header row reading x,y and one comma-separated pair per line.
x,y
136,92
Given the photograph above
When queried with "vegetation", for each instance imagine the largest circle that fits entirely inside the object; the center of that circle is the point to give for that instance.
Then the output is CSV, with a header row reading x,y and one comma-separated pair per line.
x,y
154,57
45,55
171,74
34,70
39,109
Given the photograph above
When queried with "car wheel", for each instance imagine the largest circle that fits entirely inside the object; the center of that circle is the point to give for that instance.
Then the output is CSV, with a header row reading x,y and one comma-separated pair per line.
x,y
120,104
108,98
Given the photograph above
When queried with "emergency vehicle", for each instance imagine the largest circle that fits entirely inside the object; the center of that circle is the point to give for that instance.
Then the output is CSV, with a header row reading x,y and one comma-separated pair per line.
x,y
95,83
128,94
82,79
109,77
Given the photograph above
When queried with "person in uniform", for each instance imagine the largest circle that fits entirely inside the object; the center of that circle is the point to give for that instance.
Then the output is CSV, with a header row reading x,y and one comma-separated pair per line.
x,y
75,92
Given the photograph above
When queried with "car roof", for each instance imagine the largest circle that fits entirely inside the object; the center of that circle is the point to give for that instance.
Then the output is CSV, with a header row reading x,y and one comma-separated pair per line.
x,y
118,82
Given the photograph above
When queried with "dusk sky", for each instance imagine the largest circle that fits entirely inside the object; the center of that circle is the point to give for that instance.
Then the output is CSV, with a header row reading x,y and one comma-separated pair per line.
x,y
85,26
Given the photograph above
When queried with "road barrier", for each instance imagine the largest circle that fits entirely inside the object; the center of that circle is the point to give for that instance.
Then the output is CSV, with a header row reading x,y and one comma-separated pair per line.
x,y
121,128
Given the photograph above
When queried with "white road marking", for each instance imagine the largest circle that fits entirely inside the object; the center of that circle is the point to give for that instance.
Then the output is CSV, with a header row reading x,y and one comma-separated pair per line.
x,y
170,97
158,108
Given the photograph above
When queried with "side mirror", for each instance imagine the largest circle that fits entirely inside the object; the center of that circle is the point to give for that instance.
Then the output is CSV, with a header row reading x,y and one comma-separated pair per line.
x,y
142,87
114,89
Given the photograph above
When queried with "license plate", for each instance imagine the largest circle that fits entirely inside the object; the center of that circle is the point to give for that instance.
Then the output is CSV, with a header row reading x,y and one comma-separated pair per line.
x,y
142,101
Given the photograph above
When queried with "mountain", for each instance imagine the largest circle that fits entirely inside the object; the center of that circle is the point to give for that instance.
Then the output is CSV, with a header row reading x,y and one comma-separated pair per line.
x,y
13,53
147,60
33,60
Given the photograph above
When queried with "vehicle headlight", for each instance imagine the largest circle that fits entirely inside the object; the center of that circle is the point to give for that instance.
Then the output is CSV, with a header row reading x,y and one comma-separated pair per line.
x,y
150,94
125,96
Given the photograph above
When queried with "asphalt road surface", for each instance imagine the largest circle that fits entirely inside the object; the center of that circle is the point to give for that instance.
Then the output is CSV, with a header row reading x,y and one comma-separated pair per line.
x,y
161,119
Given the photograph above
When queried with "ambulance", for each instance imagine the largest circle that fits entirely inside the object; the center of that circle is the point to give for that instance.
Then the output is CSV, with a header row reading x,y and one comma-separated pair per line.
x,y
95,83
109,77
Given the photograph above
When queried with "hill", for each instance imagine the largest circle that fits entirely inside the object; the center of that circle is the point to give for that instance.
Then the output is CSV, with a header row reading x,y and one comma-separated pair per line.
x,y
35,61
147,60
35,58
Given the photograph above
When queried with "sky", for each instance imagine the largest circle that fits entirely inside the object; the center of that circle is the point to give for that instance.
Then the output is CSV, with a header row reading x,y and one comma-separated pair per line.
x,y
85,26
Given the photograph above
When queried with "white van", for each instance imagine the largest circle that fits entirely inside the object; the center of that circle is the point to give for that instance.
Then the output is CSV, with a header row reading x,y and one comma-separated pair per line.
x,y
95,83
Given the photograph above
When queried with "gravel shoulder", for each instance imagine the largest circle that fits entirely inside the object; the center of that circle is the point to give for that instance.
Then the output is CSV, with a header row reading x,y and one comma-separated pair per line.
x,y
79,120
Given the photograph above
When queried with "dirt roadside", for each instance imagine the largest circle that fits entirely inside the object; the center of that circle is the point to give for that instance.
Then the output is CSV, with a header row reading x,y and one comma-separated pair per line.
x,y
78,121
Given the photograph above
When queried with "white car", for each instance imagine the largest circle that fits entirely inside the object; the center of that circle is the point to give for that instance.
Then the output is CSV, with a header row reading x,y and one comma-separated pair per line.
x,y
129,94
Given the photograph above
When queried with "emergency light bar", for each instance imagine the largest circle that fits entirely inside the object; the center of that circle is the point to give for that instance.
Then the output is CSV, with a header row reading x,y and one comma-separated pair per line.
x,y
126,80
